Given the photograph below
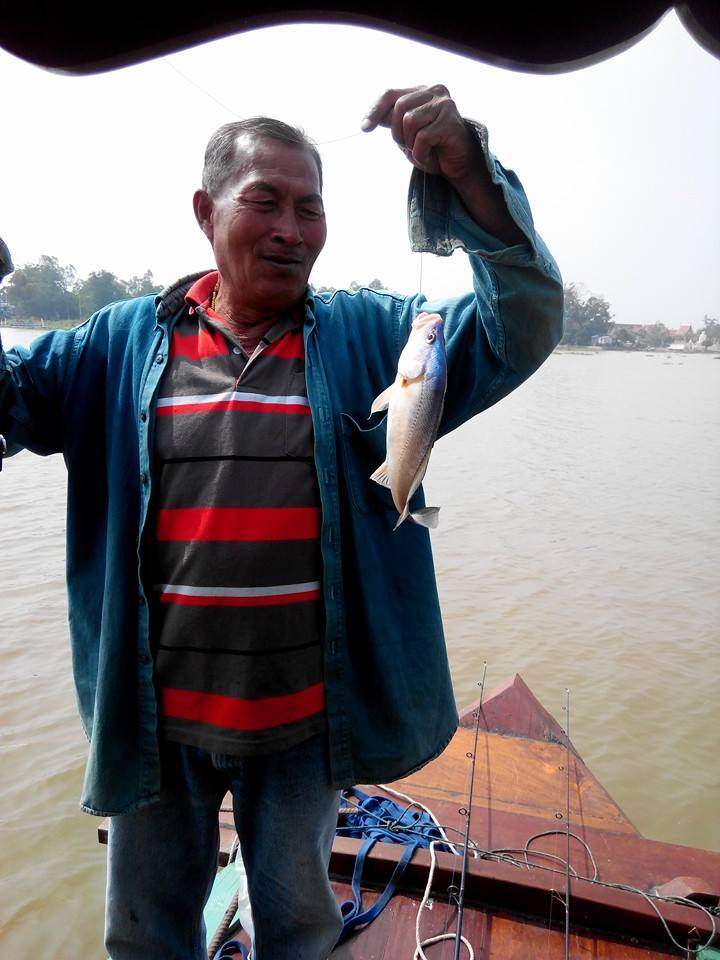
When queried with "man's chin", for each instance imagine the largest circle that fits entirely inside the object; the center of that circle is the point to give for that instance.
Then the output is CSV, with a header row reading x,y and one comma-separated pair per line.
x,y
282,297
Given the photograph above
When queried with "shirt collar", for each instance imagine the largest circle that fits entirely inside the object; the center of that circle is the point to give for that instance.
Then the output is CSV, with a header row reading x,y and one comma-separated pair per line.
x,y
201,291
200,294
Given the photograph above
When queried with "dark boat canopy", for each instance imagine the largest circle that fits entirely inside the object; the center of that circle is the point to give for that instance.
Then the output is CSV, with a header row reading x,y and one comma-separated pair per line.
x,y
543,38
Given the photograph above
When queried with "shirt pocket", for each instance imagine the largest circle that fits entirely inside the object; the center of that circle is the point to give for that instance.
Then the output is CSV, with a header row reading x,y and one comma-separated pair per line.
x,y
363,450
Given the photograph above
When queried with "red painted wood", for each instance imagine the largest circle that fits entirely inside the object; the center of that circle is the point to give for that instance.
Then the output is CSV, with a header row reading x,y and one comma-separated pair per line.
x,y
513,710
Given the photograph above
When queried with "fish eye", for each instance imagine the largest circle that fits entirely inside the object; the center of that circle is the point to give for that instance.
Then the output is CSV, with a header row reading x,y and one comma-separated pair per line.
x,y
429,337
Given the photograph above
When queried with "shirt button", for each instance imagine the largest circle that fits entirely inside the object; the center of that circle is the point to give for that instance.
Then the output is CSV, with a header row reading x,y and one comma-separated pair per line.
x,y
159,358
144,478
237,351
143,416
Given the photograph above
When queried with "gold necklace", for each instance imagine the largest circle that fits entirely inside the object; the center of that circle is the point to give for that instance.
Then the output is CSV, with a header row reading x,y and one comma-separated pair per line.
x,y
213,298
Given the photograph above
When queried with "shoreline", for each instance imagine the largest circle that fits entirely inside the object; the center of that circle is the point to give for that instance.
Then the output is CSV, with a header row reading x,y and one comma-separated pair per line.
x,y
669,351
562,348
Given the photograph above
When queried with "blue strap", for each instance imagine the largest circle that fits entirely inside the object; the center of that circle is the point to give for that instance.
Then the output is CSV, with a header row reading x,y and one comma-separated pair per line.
x,y
230,949
353,914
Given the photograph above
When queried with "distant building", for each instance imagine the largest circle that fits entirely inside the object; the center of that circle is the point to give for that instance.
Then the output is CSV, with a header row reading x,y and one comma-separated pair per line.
x,y
683,332
627,331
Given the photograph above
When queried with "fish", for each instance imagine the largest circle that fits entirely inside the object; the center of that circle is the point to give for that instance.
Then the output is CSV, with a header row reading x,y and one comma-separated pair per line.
x,y
414,402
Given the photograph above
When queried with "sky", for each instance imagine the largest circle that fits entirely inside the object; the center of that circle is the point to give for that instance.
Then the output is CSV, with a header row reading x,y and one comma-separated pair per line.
x,y
620,160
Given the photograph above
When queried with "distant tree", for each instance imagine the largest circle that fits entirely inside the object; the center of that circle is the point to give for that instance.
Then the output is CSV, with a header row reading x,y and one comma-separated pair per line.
x,y
584,317
377,285
354,286
712,330
325,289
142,286
100,288
43,290
654,335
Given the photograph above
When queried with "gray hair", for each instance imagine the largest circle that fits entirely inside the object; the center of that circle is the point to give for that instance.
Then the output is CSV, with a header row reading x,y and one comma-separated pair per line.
x,y
221,151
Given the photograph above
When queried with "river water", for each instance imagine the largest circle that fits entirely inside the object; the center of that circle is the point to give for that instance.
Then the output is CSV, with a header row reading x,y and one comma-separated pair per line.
x,y
578,545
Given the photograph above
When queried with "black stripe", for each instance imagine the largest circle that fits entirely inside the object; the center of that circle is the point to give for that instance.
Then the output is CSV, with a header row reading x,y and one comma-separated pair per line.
x,y
243,743
243,628
238,456
229,563
240,653
251,482
221,673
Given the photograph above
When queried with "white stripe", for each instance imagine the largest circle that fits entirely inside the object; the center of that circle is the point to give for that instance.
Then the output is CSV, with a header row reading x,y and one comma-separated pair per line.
x,y
230,396
272,591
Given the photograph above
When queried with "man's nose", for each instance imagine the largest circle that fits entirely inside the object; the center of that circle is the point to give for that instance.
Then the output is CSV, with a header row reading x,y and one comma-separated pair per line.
x,y
286,227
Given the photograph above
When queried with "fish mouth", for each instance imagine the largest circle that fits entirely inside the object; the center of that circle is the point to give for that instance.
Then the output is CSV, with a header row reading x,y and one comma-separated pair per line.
x,y
427,320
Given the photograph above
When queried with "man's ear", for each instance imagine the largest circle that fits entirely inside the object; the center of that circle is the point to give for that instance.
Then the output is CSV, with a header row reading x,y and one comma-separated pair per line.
x,y
203,207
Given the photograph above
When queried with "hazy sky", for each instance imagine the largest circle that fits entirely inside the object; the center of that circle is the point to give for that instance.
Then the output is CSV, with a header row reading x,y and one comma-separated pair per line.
x,y
621,161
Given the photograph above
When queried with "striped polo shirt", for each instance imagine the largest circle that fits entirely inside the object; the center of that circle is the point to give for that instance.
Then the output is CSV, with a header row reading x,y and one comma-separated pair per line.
x,y
237,621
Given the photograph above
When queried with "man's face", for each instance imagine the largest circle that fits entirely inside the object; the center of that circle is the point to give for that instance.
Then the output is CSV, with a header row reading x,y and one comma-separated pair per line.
x,y
266,226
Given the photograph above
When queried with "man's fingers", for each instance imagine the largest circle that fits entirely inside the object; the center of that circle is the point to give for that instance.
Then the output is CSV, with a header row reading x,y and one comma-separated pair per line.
x,y
426,125
411,112
380,113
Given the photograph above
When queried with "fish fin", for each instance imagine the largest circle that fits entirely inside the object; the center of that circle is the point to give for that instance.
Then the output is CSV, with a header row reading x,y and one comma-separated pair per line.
x,y
381,475
382,401
403,516
427,517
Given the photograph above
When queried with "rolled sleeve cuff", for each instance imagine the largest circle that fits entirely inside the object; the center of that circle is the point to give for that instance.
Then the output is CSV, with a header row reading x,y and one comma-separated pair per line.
x,y
439,223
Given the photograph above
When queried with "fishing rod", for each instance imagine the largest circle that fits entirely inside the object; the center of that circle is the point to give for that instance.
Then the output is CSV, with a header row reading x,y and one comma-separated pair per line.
x,y
468,815
567,824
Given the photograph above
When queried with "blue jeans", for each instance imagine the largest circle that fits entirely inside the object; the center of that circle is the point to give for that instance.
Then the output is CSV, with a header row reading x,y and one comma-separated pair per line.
x,y
162,859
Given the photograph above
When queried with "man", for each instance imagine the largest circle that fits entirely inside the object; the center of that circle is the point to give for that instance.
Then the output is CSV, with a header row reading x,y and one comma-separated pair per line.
x,y
243,616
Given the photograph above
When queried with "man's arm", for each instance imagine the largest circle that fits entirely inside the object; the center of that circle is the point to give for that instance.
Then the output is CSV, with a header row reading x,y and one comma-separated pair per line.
x,y
426,125
461,197
32,396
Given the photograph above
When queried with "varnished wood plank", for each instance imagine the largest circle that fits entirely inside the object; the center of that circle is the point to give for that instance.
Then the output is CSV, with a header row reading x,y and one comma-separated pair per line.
x,y
494,936
516,776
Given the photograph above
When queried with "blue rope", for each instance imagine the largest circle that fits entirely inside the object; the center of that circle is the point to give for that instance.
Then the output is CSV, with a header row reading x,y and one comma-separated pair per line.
x,y
386,820
379,818
376,819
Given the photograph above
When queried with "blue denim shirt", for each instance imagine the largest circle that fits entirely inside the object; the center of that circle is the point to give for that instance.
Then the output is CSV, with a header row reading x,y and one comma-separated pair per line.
x,y
89,393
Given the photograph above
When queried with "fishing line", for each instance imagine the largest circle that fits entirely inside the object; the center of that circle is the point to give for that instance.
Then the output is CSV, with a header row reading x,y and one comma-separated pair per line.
x,y
324,143
198,86
500,854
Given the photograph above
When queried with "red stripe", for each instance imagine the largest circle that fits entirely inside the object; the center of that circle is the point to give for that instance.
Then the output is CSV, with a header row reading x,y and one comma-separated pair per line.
x,y
289,347
198,346
274,600
236,714
234,405
239,523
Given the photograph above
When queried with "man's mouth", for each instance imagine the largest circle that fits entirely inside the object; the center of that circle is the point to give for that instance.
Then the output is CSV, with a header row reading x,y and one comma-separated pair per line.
x,y
283,261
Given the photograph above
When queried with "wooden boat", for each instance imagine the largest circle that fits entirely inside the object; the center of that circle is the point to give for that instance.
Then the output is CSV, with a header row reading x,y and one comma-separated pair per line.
x,y
530,786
